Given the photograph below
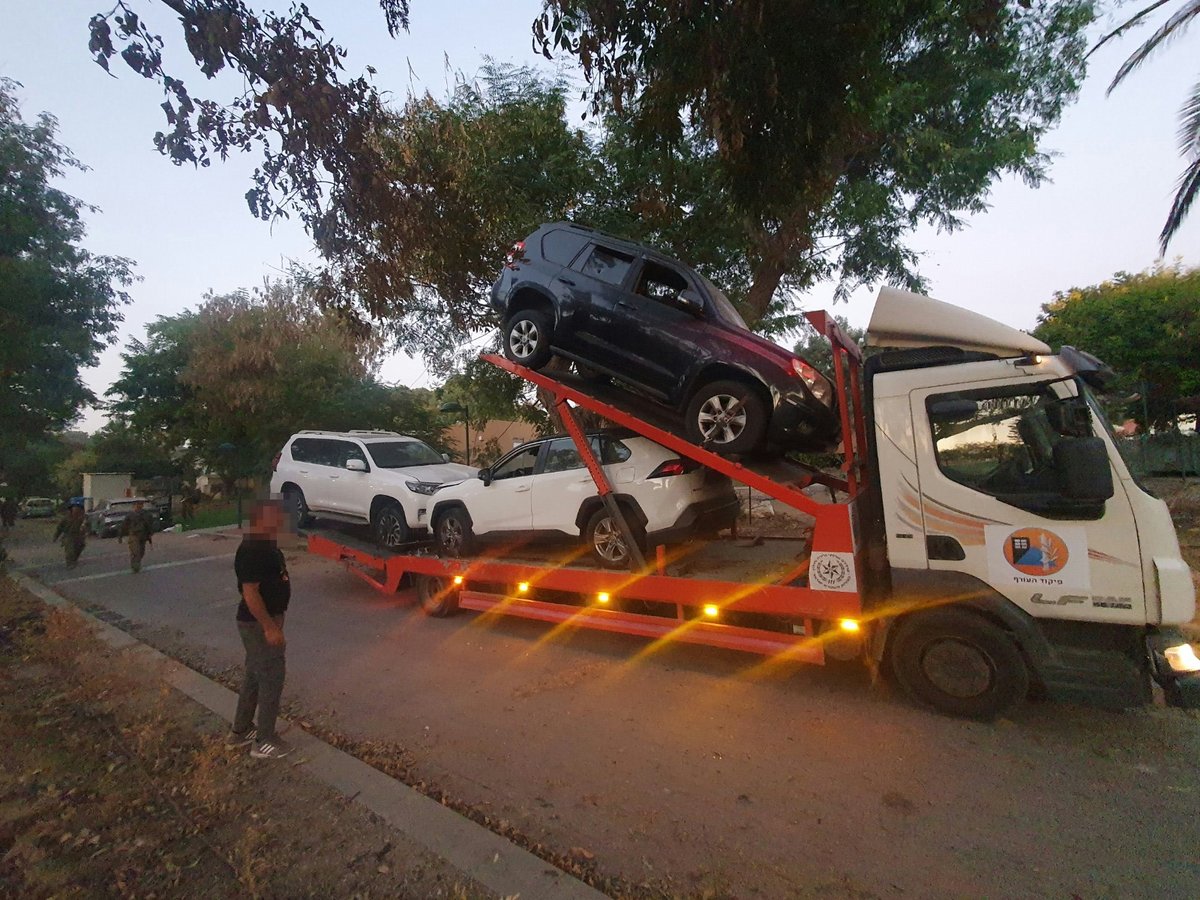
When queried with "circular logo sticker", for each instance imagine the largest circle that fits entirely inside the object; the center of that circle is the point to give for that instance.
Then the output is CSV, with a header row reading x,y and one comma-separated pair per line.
x,y
829,571
1035,551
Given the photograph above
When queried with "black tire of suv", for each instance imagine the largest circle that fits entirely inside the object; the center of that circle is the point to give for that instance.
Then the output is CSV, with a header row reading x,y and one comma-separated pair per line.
x,y
959,663
602,521
452,531
748,425
527,338
391,528
296,507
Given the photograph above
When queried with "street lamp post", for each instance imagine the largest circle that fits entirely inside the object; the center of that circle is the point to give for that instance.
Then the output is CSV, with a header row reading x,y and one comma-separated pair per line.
x,y
466,411
230,452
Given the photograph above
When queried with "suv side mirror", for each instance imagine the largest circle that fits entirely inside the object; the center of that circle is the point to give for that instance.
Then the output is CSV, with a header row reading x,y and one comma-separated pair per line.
x,y
690,301
445,457
1083,469
485,475
355,465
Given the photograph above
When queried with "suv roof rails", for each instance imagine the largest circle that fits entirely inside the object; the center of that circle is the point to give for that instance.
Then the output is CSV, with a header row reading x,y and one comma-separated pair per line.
x,y
379,431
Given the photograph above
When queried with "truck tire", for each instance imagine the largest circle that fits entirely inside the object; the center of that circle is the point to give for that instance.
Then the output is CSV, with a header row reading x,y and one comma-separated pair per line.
x,y
453,533
527,338
708,420
438,598
296,507
603,537
959,663
391,527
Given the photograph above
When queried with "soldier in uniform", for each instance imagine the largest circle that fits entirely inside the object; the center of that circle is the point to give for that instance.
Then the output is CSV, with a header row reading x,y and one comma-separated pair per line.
x,y
139,528
72,531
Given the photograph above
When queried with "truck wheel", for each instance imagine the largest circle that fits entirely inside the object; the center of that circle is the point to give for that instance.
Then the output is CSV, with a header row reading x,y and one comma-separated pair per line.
x,y
453,533
438,598
391,528
729,416
604,539
293,503
959,663
527,338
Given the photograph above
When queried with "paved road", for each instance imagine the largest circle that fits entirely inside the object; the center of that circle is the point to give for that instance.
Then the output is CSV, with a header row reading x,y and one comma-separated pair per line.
x,y
706,769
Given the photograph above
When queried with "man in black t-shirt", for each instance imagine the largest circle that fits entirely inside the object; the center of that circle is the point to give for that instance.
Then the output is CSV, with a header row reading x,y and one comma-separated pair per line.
x,y
265,590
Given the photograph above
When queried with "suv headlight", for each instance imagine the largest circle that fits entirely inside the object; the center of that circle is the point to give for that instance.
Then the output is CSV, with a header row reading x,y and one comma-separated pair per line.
x,y
423,487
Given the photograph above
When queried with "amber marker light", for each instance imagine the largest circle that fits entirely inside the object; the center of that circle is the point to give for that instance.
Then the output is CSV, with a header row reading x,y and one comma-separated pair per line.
x,y
458,579
523,587
712,610
602,597
850,626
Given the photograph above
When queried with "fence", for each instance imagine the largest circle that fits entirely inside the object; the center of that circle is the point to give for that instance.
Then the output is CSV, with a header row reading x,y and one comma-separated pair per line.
x,y
1171,453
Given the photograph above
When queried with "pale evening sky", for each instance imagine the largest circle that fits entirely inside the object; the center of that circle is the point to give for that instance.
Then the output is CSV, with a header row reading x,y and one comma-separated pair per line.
x,y
189,229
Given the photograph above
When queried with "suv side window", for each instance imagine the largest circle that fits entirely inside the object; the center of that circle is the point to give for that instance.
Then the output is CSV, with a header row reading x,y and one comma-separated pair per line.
x,y
304,450
347,451
661,283
1000,441
518,464
561,246
561,456
609,266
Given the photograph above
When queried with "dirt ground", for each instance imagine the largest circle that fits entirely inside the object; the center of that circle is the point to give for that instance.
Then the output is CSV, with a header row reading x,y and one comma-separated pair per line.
x,y
110,786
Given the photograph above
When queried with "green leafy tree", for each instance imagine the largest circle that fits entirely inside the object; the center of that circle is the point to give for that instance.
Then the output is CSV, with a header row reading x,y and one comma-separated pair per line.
x,y
1189,115
1146,326
815,347
58,302
833,128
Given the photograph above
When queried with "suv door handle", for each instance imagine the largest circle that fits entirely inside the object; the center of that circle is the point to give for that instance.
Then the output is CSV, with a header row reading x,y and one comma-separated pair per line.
x,y
566,281
626,305
521,490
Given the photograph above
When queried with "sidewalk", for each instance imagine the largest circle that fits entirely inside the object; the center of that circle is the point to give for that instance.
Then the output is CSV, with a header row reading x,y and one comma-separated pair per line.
x,y
486,862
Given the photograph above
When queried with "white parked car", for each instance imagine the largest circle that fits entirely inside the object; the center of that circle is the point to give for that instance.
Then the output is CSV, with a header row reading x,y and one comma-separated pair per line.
x,y
379,478
543,490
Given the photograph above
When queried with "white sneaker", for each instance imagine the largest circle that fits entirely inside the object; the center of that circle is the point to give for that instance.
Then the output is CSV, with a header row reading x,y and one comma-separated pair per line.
x,y
272,749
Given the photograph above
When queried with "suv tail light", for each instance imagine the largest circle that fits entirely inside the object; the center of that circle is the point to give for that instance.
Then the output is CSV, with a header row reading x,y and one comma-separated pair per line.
x,y
275,461
674,467
516,254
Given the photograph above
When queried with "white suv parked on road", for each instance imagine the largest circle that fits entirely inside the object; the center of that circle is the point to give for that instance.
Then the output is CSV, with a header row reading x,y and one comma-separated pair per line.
x,y
542,490
380,478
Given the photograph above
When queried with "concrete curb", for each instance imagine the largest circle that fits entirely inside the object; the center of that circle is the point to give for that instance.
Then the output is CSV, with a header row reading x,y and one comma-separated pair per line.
x,y
489,859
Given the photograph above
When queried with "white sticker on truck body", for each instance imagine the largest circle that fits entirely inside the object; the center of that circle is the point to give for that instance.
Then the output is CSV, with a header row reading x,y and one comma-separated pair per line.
x,y
1037,557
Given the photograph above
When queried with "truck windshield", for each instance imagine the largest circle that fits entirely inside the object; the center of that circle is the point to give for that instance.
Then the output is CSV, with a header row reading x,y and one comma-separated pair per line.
x,y
725,308
402,454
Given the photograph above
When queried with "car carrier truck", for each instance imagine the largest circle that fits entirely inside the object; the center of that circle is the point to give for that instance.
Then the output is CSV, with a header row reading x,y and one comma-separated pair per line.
x,y
983,541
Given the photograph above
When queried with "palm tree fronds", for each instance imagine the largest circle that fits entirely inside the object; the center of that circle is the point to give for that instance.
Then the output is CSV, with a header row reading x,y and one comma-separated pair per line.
x,y
1185,195
1130,23
1189,125
1170,29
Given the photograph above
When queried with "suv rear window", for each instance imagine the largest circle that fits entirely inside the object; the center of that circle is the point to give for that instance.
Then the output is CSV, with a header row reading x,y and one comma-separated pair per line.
x,y
562,246
607,265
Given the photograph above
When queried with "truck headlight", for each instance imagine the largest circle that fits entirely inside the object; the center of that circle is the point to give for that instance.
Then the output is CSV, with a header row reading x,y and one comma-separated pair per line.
x,y
423,487
1182,659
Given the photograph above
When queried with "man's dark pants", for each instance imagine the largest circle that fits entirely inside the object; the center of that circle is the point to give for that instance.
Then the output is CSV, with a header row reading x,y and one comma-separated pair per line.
x,y
262,685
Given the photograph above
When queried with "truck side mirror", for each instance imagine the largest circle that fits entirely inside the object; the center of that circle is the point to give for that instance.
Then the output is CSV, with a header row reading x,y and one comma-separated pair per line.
x,y
691,302
1083,469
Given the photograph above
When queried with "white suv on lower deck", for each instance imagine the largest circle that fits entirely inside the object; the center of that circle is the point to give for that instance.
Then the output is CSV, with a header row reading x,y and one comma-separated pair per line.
x,y
380,478
542,491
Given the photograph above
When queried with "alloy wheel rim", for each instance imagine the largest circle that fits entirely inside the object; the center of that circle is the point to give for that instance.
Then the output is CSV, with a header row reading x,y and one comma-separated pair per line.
x,y
523,339
452,535
608,541
390,530
722,418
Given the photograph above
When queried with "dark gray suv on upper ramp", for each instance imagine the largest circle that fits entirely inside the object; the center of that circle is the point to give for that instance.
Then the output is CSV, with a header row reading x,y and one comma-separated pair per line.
x,y
624,311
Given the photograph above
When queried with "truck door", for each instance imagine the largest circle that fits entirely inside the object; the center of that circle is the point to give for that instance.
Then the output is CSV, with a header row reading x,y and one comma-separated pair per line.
x,y
995,502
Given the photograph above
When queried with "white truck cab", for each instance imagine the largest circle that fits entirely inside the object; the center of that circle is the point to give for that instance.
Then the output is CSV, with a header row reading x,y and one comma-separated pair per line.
x,y
1003,496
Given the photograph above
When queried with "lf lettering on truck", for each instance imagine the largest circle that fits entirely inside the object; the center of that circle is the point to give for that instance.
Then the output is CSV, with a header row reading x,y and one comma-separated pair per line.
x,y
983,541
